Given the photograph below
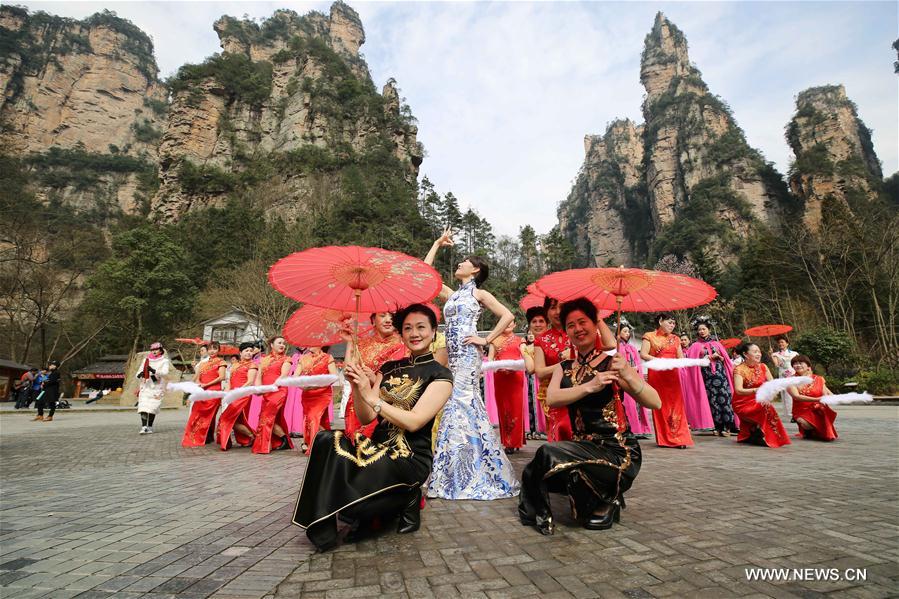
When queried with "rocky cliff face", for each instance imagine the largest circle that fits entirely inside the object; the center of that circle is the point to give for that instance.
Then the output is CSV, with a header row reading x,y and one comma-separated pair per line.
x,y
289,101
609,189
89,91
699,187
835,160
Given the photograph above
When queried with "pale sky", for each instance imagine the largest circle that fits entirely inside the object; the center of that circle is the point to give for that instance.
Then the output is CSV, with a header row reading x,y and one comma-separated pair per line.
x,y
505,92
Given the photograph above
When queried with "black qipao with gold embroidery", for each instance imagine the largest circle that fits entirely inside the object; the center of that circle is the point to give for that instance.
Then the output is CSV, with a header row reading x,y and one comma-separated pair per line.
x,y
374,476
598,465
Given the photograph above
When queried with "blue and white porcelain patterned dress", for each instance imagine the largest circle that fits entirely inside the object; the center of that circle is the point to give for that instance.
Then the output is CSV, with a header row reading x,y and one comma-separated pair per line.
x,y
469,462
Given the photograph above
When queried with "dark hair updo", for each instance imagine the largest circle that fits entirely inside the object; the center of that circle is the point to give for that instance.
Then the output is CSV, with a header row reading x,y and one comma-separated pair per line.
x,y
399,317
534,312
663,316
247,345
580,304
801,359
743,348
483,269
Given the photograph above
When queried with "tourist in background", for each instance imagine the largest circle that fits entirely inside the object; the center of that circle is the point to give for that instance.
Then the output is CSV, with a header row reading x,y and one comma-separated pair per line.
x,y
670,420
151,374
814,418
759,422
783,361
49,393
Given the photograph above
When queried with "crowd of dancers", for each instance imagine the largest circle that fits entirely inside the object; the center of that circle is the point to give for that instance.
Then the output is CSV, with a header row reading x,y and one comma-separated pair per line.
x,y
416,417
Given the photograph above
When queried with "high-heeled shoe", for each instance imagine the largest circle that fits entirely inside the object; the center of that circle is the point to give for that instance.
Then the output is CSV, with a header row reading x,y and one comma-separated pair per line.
x,y
410,517
604,522
285,443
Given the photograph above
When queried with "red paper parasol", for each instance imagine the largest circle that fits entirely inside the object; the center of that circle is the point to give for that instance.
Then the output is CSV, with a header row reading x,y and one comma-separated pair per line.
x,y
354,278
628,289
193,341
228,350
768,330
530,301
731,342
311,326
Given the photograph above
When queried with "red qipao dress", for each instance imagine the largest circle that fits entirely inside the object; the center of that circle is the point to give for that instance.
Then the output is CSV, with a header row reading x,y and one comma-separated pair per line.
x,y
508,387
238,411
375,351
273,403
558,424
200,428
759,422
316,399
819,415
670,421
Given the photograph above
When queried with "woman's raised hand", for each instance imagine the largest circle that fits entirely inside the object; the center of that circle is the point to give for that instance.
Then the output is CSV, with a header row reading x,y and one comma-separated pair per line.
x,y
446,240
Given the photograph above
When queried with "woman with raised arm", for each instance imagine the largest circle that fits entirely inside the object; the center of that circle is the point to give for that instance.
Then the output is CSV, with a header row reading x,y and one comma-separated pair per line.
x,y
600,463
759,422
271,432
381,476
814,418
469,462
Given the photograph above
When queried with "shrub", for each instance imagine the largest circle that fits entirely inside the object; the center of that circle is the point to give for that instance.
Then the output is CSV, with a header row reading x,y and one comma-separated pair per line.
x,y
826,346
242,79
882,381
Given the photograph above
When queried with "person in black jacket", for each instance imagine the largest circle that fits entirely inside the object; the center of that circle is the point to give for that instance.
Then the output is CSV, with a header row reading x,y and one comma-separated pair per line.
x,y
49,392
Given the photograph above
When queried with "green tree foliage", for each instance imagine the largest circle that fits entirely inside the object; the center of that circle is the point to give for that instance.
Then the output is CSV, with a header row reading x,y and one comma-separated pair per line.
x,y
242,79
825,346
144,288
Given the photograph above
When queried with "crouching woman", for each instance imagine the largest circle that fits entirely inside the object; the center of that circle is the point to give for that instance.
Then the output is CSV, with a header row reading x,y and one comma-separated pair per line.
x,y
380,476
600,463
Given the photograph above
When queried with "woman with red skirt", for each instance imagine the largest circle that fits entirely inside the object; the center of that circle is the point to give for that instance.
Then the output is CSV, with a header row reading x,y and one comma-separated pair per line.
x,y
317,361
814,418
759,422
236,417
200,428
271,432
669,421
508,386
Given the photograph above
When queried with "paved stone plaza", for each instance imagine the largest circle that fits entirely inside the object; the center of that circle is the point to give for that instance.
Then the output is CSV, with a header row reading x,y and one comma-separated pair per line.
x,y
92,509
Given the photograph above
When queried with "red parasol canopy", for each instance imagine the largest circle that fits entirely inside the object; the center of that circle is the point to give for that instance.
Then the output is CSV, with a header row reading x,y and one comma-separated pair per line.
x,y
354,278
228,350
529,301
731,342
768,330
628,289
193,341
311,326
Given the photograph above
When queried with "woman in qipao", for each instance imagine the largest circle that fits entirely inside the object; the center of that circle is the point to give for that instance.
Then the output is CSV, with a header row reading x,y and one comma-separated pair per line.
x,y
600,463
814,418
236,417
381,476
759,422
210,374
271,432
469,462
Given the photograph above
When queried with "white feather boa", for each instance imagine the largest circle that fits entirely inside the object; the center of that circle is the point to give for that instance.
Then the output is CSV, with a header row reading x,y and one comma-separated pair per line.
x,y
307,382
236,394
674,363
491,366
195,392
769,389
846,398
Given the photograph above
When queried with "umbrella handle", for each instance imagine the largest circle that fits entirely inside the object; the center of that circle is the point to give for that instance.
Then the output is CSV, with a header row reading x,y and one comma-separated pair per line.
x,y
357,355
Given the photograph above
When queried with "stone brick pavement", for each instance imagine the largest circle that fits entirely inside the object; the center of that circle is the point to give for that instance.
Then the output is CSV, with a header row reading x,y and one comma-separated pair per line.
x,y
91,509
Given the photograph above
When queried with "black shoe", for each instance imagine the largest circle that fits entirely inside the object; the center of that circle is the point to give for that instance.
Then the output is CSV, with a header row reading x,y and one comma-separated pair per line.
x,y
410,517
285,443
605,521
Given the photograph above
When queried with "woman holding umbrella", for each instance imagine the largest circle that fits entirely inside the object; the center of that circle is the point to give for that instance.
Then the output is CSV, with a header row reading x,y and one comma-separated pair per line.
x,y
599,465
380,476
670,419
469,462
759,422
